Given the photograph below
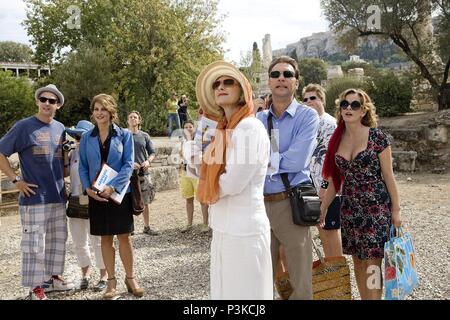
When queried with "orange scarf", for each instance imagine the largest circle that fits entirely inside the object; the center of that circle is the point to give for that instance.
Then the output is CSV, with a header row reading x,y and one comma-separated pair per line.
x,y
213,163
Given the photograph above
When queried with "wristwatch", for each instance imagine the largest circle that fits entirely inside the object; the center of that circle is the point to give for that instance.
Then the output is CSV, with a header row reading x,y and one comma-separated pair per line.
x,y
17,179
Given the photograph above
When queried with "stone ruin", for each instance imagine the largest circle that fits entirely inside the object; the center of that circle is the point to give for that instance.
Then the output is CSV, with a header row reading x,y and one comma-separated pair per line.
x,y
424,145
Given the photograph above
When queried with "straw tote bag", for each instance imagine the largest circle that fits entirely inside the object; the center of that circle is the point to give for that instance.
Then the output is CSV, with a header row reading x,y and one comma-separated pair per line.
x,y
330,278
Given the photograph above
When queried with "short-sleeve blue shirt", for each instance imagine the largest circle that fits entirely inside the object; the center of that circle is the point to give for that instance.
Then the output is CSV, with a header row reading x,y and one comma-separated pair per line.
x,y
39,146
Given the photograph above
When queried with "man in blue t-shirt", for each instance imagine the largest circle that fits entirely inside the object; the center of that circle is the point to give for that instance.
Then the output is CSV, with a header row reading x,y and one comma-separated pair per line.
x,y
42,202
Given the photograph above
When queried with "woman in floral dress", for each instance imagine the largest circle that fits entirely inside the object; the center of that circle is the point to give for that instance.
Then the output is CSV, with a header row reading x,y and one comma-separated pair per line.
x,y
359,163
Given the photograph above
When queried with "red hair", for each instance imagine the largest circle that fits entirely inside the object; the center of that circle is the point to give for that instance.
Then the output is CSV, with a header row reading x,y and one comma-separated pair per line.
x,y
329,166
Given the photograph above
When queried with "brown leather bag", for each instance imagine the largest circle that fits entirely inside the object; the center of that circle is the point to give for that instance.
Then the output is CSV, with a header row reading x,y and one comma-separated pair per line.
x,y
136,194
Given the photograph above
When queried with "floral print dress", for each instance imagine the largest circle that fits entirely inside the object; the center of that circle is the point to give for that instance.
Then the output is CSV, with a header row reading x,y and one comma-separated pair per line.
x,y
366,204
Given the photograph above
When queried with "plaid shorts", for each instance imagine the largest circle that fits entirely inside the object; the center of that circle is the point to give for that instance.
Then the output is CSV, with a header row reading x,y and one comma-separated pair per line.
x,y
44,235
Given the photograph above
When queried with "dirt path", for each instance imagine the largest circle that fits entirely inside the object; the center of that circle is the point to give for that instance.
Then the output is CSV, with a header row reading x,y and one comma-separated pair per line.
x,y
176,266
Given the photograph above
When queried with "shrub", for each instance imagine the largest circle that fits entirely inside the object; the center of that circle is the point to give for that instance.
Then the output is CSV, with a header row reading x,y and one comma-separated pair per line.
x,y
16,100
391,93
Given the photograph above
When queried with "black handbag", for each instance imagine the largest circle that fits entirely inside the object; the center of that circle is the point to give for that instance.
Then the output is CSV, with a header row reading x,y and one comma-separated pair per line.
x,y
77,210
305,203
136,194
333,218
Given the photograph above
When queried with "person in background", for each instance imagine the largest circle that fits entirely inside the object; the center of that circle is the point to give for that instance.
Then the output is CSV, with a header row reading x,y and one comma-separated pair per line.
x,y
330,235
358,163
42,201
79,217
259,104
183,109
172,114
189,179
143,156
108,143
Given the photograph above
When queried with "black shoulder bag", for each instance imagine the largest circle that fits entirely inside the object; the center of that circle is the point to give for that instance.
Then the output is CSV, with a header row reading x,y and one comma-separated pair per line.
x,y
136,194
305,202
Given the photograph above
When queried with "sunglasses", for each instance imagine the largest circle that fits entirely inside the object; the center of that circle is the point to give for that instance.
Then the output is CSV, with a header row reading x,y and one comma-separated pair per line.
x,y
355,105
50,100
286,74
310,98
226,83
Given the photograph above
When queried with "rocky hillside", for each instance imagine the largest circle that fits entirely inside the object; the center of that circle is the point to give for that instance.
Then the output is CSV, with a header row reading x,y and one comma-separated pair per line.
x,y
324,45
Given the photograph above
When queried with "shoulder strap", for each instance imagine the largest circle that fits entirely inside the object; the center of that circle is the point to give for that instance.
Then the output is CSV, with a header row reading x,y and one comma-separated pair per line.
x,y
285,179
274,145
273,141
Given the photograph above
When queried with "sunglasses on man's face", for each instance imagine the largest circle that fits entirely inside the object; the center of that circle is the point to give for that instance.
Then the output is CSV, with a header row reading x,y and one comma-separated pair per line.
x,y
226,83
355,105
310,98
286,74
50,100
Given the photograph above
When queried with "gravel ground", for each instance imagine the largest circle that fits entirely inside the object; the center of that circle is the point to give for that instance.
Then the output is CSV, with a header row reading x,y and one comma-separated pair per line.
x,y
176,266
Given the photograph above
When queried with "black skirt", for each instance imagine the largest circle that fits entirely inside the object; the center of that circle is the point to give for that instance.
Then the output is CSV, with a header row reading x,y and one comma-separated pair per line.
x,y
109,218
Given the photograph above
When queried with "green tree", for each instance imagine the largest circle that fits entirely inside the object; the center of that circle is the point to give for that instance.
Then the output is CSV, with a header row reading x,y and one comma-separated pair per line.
x,y
251,66
405,22
16,100
391,93
160,47
53,26
15,52
312,70
82,75
155,46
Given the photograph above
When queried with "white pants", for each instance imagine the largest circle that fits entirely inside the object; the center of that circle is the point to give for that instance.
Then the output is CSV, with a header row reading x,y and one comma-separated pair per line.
x,y
241,267
80,231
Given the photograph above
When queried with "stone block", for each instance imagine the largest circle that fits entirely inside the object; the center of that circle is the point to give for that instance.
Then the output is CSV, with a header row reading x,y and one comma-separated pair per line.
x,y
404,160
164,178
163,151
437,133
407,135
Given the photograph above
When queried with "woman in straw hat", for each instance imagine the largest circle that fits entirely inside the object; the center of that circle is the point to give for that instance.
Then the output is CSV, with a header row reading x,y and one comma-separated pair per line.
x,y
231,181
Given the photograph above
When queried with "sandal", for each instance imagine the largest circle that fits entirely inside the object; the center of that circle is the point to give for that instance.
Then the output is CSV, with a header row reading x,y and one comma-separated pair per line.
x,y
137,292
111,294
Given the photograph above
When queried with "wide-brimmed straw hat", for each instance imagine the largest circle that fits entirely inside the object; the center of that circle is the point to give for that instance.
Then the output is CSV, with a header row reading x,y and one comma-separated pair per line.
x,y
204,90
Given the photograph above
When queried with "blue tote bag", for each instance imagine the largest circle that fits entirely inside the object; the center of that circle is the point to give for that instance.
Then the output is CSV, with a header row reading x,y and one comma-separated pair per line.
x,y
400,273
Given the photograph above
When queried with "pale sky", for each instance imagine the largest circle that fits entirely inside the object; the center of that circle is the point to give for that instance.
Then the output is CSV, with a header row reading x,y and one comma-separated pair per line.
x,y
247,21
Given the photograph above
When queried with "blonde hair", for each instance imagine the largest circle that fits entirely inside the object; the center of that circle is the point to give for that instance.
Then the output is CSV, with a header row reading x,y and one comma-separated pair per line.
x,y
108,103
320,92
369,119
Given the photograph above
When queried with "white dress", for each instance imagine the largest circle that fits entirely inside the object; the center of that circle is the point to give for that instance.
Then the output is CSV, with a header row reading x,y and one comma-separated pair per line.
x,y
241,264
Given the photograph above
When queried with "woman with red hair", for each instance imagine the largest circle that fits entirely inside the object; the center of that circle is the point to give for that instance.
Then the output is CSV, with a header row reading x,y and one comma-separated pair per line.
x,y
359,164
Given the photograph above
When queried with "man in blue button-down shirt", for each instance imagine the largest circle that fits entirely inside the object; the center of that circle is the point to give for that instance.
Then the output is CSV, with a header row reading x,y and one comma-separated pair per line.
x,y
297,127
